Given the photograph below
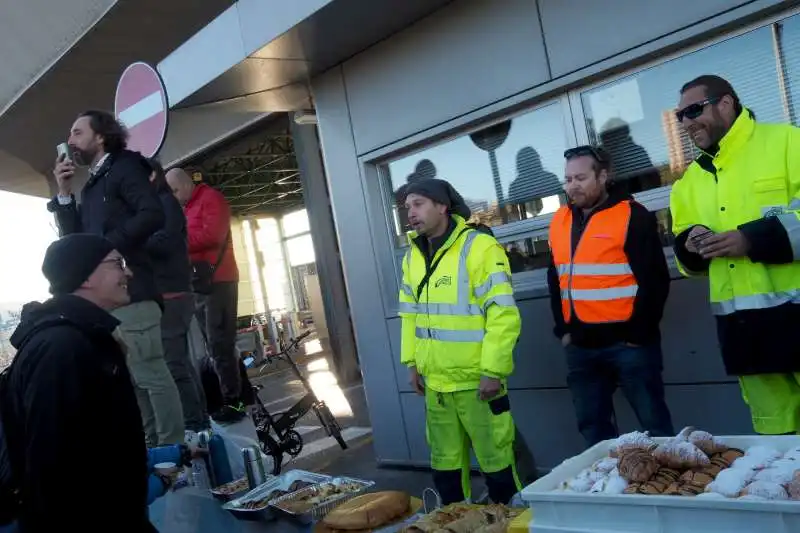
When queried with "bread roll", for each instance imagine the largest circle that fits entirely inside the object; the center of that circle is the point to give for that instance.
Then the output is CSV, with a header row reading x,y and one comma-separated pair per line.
x,y
369,511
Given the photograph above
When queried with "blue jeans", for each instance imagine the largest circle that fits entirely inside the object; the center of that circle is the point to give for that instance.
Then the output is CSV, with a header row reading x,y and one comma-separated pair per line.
x,y
593,376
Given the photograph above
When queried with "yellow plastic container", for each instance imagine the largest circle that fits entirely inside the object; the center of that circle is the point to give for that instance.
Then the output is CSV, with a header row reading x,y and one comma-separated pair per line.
x,y
521,523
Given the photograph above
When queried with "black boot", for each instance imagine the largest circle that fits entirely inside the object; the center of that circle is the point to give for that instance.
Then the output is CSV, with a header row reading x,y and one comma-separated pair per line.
x,y
448,485
501,485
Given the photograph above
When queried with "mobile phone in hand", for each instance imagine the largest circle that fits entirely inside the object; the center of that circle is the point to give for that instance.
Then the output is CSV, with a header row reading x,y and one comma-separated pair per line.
x,y
697,239
64,152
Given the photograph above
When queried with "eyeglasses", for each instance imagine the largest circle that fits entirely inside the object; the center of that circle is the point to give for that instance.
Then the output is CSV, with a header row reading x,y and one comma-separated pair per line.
x,y
119,261
581,151
692,111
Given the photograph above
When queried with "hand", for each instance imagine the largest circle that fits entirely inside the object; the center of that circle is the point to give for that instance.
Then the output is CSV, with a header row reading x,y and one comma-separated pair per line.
x,y
727,244
489,388
196,452
416,381
566,340
696,231
63,172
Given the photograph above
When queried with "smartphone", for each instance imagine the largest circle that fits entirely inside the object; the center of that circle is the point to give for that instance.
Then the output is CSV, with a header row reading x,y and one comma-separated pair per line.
x,y
697,239
64,152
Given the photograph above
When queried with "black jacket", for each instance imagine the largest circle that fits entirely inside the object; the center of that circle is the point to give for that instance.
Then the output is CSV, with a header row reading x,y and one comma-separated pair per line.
x,y
646,259
72,423
168,249
119,203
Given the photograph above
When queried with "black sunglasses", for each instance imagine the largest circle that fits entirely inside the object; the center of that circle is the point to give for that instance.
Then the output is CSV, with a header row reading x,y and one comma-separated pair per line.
x,y
692,111
581,151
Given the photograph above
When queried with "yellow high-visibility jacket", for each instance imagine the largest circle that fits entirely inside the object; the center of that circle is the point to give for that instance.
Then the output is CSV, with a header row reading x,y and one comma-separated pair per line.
x,y
752,183
465,322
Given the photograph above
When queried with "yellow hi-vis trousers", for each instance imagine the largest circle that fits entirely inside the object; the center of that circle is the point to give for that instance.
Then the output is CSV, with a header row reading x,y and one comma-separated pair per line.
x,y
774,401
456,420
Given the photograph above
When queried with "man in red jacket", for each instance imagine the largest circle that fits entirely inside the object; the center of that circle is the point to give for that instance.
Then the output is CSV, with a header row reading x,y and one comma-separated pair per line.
x,y
208,219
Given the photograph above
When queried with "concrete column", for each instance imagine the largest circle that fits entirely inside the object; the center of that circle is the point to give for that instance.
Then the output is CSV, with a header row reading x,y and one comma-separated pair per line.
x,y
329,263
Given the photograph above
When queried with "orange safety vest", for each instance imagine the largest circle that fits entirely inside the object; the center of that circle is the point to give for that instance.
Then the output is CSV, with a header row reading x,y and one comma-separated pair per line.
x,y
597,283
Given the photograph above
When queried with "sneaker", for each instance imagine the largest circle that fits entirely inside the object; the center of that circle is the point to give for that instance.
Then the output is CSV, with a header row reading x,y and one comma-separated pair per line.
x,y
228,414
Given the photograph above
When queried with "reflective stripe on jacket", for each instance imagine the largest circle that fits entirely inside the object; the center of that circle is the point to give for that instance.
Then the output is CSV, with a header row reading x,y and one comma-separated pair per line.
x,y
751,184
465,322
596,281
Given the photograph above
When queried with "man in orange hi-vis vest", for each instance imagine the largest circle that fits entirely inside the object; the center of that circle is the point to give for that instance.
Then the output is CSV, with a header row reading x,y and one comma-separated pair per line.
x,y
608,284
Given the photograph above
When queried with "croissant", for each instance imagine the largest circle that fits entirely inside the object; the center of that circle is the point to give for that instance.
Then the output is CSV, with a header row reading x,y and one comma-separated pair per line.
x,y
637,465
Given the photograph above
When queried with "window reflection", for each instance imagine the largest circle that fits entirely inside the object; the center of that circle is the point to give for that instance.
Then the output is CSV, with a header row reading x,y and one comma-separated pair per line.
x,y
506,172
664,218
530,253
634,118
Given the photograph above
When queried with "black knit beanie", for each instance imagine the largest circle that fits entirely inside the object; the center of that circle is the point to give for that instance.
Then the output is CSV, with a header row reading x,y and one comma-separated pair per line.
x,y
70,261
441,192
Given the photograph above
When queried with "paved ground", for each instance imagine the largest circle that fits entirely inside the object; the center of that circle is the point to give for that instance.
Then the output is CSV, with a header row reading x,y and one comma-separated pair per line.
x,y
281,389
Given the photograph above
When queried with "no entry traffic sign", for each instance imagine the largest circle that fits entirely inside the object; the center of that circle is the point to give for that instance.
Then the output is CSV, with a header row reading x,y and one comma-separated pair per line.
x,y
141,105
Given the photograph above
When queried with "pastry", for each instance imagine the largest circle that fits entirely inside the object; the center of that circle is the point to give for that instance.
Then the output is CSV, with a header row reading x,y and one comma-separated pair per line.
x,y
668,473
468,523
793,487
647,488
680,455
637,465
720,462
436,520
631,441
711,470
369,511
730,482
673,489
690,490
657,485
731,454
781,476
698,478
633,488
766,490
706,442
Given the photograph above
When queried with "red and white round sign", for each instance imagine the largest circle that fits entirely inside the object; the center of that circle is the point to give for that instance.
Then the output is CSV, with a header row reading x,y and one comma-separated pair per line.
x,y
141,106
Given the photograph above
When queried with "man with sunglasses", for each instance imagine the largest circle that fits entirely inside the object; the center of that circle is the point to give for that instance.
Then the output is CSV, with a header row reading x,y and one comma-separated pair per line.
x,y
608,284
736,219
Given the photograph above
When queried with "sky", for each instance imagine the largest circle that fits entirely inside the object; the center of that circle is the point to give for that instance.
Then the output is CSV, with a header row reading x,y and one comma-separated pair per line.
x,y
26,229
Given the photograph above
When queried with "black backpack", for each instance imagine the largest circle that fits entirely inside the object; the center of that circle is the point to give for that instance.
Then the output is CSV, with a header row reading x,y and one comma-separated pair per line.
x,y
9,487
9,476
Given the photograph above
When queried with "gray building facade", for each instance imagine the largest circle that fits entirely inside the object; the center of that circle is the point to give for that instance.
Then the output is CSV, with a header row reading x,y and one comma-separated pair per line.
x,y
484,93
563,72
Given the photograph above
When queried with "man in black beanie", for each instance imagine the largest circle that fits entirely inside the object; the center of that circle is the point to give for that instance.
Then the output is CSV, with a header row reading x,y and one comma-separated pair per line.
x,y
68,401
459,327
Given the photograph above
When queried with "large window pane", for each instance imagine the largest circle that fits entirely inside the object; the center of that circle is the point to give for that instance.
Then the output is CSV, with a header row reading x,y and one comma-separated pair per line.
x,y
787,33
507,172
634,119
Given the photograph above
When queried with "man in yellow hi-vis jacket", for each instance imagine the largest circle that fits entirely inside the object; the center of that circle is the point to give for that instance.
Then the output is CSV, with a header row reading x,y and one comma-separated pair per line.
x,y
735,217
459,327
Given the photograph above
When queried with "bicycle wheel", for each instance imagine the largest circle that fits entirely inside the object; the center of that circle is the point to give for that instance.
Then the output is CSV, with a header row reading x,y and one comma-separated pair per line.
x,y
330,424
271,449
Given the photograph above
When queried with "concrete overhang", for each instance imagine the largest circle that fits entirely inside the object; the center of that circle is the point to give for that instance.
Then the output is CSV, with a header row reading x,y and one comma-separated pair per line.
x,y
264,52
77,70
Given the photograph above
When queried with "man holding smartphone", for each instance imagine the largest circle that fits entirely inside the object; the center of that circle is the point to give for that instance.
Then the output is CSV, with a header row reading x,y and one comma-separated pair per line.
x,y
736,219
118,203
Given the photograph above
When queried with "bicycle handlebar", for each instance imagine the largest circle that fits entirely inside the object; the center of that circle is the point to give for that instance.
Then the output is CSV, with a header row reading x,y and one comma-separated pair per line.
x,y
294,343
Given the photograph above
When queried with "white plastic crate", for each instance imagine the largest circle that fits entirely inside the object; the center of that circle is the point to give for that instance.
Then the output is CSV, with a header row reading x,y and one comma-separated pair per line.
x,y
568,512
